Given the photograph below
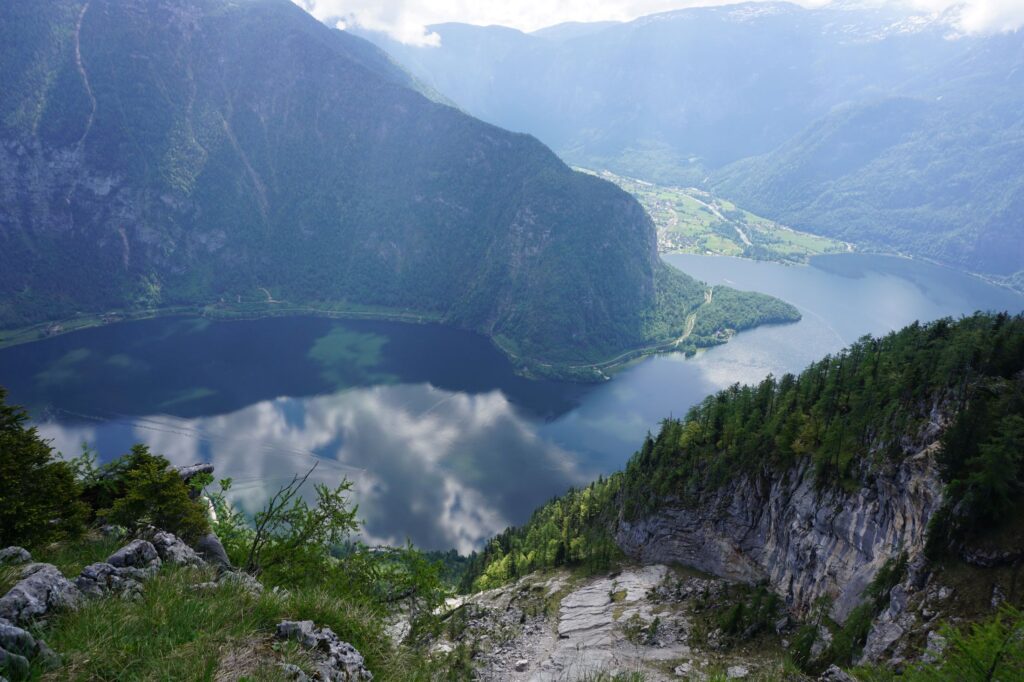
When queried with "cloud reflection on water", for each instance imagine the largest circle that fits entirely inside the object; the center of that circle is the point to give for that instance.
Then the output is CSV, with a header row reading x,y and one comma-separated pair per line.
x,y
444,469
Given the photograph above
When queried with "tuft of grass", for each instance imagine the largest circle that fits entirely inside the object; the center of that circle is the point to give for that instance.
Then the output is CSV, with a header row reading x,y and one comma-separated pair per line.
x,y
71,556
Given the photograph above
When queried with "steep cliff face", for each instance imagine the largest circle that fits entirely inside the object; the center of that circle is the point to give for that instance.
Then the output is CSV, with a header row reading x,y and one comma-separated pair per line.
x,y
807,543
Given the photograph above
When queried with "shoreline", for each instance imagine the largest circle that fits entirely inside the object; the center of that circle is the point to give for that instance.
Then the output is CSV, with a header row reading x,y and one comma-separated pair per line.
x,y
535,369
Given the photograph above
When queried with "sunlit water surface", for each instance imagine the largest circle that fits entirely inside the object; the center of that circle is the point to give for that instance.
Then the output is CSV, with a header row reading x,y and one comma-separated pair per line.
x,y
444,443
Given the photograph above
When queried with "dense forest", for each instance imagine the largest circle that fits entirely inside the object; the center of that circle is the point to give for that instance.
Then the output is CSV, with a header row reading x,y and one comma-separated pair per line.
x,y
852,414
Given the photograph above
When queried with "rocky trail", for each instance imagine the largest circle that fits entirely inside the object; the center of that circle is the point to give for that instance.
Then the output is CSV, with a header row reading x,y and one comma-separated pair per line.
x,y
650,620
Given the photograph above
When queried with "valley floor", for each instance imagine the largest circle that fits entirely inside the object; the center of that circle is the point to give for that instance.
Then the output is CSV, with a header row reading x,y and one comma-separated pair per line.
x,y
691,220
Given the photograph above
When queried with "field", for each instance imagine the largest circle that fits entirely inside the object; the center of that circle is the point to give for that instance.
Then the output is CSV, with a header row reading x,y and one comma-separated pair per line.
x,y
690,220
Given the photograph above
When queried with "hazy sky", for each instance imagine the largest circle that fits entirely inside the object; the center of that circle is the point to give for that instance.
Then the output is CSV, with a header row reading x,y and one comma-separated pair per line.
x,y
406,20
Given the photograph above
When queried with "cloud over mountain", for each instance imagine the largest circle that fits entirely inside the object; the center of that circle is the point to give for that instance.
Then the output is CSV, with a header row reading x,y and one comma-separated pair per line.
x,y
407,20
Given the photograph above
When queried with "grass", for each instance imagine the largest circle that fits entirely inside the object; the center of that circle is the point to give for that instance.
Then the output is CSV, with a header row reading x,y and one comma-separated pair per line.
x,y
174,632
74,555
177,632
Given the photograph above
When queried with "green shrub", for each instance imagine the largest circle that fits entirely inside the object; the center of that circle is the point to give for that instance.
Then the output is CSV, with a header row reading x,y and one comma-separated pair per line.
x,y
145,490
38,492
754,612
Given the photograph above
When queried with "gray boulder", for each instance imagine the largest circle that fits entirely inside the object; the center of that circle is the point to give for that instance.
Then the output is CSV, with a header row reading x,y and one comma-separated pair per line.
x,y
41,590
340,661
935,647
14,556
111,531
173,550
19,642
246,581
15,665
836,674
688,670
136,554
210,548
189,472
102,579
880,639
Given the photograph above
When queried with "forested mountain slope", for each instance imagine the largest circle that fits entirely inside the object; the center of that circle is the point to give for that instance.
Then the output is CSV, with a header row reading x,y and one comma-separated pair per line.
x,y
907,449
168,153
879,125
934,170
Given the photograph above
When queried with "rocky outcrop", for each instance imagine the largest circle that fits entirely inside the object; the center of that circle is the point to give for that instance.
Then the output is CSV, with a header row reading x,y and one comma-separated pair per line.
x,y
173,550
102,579
140,554
237,578
805,542
42,589
18,649
189,472
14,556
125,570
338,661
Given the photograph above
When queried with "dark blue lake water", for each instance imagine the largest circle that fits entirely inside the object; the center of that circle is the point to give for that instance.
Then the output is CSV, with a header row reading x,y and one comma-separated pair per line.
x,y
445,444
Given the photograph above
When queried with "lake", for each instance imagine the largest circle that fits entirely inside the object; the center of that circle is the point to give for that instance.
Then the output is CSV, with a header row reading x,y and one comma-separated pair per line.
x,y
445,444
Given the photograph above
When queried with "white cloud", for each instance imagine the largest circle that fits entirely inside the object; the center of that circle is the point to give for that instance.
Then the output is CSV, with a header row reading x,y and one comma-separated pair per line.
x,y
407,20
981,16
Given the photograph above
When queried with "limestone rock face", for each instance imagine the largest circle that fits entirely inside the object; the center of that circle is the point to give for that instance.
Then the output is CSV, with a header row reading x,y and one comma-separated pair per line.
x,y
341,662
41,590
805,542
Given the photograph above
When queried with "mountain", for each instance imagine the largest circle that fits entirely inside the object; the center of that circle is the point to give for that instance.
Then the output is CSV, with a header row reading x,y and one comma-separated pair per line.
x,y
243,157
898,462
879,125
934,171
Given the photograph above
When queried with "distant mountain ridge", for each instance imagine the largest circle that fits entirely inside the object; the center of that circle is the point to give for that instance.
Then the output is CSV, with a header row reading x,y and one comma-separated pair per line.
x,y
878,125
242,156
